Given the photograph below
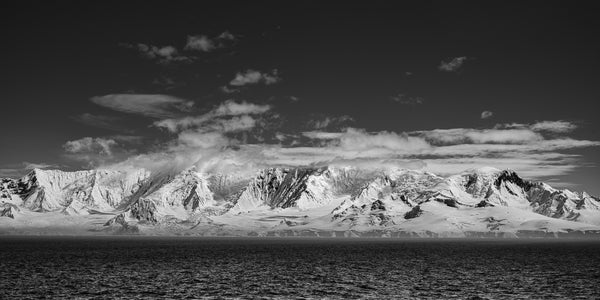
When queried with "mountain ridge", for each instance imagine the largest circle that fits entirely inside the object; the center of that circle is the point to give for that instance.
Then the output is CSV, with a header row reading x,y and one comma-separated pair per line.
x,y
292,201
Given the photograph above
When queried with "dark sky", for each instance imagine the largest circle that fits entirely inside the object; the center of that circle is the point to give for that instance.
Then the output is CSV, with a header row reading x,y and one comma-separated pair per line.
x,y
379,63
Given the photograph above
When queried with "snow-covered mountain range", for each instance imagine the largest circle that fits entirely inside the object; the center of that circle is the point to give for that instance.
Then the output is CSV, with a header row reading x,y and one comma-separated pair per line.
x,y
334,201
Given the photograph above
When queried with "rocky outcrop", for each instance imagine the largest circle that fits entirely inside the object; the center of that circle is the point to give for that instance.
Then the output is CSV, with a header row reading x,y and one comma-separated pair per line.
x,y
283,188
413,213
8,210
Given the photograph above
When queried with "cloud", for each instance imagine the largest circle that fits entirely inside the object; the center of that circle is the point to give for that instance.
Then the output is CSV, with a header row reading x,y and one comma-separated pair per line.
x,y
170,54
200,139
406,100
229,124
150,105
359,139
486,114
484,150
242,137
168,83
453,65
329,122
42,165
12,172
227,90
215,151
526,166
321,135
161,54
254,77
226,35
228,108
101,146
232,108
166,52
554,126
18,170
127,139
448,151
96,151
479,136
200,43
205,44
101,121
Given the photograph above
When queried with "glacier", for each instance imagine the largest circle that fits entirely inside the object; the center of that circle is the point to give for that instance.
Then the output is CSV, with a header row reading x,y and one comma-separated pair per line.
x,y
325,202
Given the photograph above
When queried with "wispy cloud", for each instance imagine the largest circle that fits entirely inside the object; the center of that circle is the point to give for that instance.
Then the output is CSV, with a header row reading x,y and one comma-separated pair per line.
x,y
127,139
226,125
354,139
161,54
101,121
227,36
101,146
200,43
169,54
205,44
479,136
323,122
29,165
228,90
240,111
407,100
151,105
452,65
95,151
168,82
17,170
555,127
486,114
254,77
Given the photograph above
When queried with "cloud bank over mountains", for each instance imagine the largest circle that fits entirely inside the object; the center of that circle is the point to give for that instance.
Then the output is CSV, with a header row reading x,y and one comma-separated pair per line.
x,y
243,136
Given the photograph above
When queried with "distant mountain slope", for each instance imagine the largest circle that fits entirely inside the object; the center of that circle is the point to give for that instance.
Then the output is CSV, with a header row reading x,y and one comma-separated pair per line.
x,y
283,201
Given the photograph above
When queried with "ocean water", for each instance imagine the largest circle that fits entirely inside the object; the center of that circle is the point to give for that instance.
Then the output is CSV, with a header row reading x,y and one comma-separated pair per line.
x,y
143,268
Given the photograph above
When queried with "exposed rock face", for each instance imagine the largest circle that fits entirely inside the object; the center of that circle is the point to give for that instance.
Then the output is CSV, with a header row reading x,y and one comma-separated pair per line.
x,y
413,213
283,188
123,227
8,210
120,220
143,210
227,187
350,180
179,197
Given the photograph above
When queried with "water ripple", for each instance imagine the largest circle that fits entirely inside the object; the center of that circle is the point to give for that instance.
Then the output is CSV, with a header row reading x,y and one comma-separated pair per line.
x,y
143,268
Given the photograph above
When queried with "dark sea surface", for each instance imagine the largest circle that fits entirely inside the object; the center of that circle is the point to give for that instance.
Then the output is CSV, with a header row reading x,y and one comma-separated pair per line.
x,y
142,268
